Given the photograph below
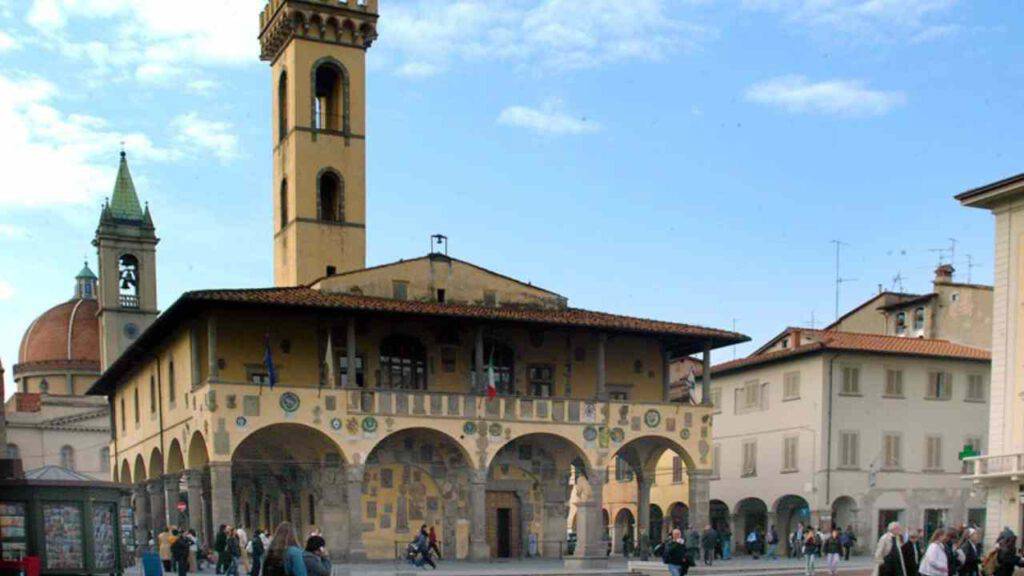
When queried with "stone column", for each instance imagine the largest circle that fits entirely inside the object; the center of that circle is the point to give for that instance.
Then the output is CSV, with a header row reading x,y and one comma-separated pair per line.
x,y
591,549
194,485
700,497
705,380
172,493
354,494
157,505
141,511
602,384
643,515
350,353
211,349
478,547
222,510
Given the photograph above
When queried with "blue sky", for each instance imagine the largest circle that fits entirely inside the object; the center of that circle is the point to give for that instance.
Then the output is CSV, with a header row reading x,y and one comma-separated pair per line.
x,y
687,160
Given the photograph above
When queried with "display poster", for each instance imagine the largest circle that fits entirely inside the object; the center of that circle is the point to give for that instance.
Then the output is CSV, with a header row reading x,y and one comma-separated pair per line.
x,y
103,541
12,530
128,528
62,536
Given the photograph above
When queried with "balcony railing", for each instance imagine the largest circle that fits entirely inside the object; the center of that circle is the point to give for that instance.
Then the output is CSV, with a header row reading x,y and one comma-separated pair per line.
x,y
129,301
995,466
459,405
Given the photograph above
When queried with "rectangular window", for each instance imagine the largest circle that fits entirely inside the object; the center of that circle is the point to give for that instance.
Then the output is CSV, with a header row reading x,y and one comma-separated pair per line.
x,y
933,453
791,386
542,380
972,443
677,470
975,388
751,395
400,290
919,319
790,453
749,458
894,383
135,391
152,394
716,461
851,381
901,323
849,449
170,383
892,453
940,385
343,370
124,416
623,471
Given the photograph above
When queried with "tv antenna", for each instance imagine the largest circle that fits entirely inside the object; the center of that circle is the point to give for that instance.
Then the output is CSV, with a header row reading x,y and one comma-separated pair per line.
x,y
897,282
813,322
952,251
839,279
970,267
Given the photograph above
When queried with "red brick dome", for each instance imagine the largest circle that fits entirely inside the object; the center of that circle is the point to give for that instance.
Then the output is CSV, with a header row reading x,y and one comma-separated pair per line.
x,y
66,334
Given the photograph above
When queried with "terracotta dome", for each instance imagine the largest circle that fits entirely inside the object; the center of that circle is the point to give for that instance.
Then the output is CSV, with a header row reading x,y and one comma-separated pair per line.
x,y
68,333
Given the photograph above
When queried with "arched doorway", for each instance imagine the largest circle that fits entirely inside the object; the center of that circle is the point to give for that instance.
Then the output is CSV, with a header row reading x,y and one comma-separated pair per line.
x,y
844,516
791,513
656,533
751,514
624,538
416,477
719,515
679,514
291,472
528,485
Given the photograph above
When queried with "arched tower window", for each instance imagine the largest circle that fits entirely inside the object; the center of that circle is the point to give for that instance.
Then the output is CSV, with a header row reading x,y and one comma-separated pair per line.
x,y
330,96
403,362
282,106
283,201
128,281
331,199
67,457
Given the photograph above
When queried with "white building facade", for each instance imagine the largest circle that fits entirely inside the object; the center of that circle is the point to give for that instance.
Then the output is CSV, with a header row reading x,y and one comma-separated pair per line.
x,y
858,430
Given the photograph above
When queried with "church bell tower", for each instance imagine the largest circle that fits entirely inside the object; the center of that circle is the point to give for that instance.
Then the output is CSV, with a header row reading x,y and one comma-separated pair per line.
x,y
317,56
126,245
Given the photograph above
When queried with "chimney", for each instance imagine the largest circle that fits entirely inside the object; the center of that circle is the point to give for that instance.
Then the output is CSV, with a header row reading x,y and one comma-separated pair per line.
x,y
944,274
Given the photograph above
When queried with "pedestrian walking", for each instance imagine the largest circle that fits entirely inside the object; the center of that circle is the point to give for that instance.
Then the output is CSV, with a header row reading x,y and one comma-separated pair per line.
x,y
233,549
936,559
708,540
675,554
180,553
912,553
752,548
315,557
256,552
811,550
421,546
284,557
163,545
848,540
432,542
833,550
971,551
888,554
220,544
1007,559
726,535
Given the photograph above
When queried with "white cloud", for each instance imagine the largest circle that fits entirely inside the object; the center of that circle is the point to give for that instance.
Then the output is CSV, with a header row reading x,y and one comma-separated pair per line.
x,y
875,19
7,42
795,94
548,120
195,134
12,231
427,37
51,157
201,86
6,290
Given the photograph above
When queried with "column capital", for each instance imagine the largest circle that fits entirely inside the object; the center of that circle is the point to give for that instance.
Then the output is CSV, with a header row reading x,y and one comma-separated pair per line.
x,y
354,473
155,486
698,474
194,478
478,476
172,480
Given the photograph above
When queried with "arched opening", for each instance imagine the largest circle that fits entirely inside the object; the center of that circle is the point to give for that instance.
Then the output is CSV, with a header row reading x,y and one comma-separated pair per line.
x,y
67,457
139,470
331,198
751,515
128,281
282,106
275,469
403,362
844,517
198,457
528,502
415,477
656,532
156,464
718,514
499,360
679,514
175,459
282,203
126,474
791,512
624,538
330,96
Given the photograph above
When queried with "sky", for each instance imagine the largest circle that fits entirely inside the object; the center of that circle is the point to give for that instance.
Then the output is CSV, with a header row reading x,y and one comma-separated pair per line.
x,y
686,160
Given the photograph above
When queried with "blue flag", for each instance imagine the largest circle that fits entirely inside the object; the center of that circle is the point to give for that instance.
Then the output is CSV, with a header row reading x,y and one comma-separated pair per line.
x,y
268,363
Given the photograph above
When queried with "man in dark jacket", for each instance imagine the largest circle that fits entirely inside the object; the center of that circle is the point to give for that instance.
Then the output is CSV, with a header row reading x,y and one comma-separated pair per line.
x,y
972,554
708,540
675,554
179,552
692,545
220,544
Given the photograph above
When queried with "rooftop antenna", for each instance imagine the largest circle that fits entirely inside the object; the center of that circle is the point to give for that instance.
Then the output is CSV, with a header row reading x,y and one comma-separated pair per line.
x,y
970,267
897,282
814,321
439,244
952,251
839,279
942,254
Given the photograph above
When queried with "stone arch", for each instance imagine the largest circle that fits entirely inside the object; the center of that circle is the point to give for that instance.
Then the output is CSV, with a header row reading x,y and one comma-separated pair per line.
x,y
625,530
156,464
751,514
790,511
198,456
175,458
139,471
329,90
718,514
845,515
412,477
643,453
580,458
679,517
125,470
282,105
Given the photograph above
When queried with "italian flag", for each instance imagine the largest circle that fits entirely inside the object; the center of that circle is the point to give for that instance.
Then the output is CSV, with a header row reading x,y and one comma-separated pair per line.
x,y
492,390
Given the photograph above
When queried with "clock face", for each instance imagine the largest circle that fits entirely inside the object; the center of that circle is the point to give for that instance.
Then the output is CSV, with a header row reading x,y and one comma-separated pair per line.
x,y
131,331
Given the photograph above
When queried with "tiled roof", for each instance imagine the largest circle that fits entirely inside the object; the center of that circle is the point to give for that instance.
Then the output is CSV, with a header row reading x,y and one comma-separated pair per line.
x,y
310,299
856,342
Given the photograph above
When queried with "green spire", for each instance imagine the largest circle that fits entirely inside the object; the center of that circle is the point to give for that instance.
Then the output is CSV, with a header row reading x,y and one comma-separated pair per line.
x,y
86,273
124,205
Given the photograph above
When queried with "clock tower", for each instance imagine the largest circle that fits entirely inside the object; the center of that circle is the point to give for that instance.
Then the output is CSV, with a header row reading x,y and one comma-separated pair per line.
x,y
126,242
